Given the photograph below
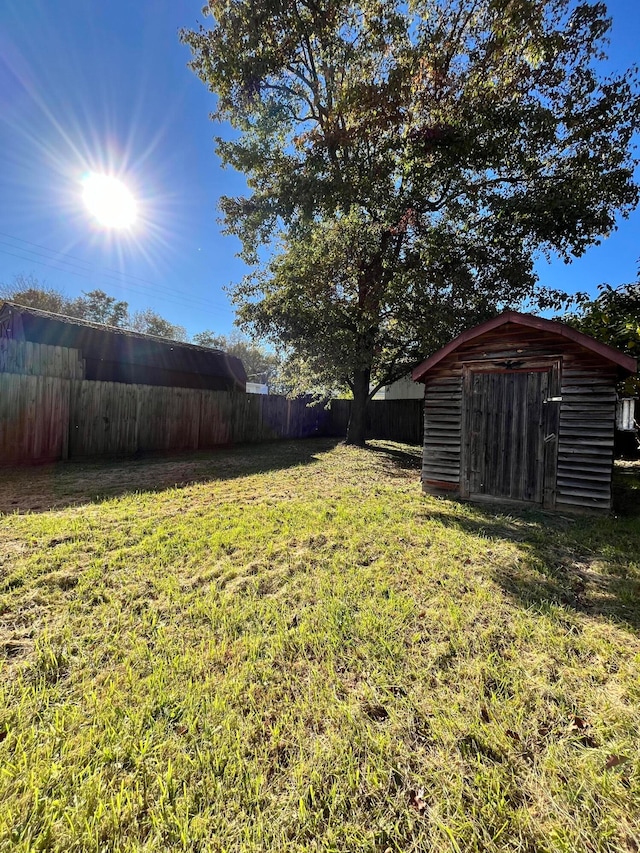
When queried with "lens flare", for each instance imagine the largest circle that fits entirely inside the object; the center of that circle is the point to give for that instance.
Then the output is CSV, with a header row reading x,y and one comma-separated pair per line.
x,y
109,200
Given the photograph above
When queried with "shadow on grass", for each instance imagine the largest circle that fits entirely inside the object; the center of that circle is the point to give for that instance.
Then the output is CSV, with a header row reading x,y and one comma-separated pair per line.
x,y
406,457
590,565
46,487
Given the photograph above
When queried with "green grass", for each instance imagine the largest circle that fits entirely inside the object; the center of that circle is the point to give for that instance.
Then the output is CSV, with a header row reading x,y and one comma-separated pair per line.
x,y
289,647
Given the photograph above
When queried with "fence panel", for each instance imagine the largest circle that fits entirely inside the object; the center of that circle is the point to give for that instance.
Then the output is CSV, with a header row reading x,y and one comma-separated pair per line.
x,y
168,418
395,420
34,418
340,414
215,418
103,419
273,413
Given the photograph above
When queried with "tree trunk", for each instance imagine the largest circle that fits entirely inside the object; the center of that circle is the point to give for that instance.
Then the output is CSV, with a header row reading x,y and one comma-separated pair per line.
x,y
358,419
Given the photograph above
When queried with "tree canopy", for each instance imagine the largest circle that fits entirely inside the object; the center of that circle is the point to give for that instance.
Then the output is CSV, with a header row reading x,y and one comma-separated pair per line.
x,y
612,317
406,161
260,365
149,322
98,307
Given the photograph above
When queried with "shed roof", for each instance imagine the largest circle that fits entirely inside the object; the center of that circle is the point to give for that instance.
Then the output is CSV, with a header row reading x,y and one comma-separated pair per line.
x,y
625,363
97,340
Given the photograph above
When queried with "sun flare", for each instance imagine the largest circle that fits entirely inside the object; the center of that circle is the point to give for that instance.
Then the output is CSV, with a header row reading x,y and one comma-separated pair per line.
x,y
109,200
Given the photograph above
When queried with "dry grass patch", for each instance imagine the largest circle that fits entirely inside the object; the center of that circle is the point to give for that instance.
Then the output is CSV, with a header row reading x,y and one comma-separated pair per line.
x,y
289,647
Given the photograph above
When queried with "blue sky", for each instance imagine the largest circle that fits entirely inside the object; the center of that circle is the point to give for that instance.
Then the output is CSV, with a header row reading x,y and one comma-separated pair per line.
x,y
85,86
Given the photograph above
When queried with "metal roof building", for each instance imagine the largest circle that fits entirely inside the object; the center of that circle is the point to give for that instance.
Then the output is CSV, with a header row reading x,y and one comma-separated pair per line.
x,y
113,354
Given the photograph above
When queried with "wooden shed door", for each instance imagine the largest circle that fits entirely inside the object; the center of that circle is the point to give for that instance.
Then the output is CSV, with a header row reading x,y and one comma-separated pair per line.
x,y
510,437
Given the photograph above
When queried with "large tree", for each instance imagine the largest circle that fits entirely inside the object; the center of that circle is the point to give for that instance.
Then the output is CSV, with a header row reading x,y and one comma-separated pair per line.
x,y
406,161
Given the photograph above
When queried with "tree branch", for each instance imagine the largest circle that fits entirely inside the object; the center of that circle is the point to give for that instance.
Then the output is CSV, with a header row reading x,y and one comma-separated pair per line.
x,y
279,87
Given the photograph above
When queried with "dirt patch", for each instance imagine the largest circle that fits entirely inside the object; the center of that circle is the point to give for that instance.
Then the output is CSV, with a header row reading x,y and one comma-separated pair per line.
x,y
15,650
10,552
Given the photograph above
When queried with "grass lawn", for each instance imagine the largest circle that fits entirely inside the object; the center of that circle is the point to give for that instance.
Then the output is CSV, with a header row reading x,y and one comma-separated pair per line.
x,y
290,648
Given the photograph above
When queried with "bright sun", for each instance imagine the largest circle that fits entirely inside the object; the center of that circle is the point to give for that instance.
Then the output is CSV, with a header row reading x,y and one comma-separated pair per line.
x,y
109,200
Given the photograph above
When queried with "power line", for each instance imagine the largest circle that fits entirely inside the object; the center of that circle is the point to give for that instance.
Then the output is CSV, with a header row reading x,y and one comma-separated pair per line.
x,y
163,297
120,278
83,271
87,263
34,261
72,267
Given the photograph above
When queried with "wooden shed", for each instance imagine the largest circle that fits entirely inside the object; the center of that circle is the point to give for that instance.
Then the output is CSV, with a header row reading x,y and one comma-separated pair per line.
x,y
522,410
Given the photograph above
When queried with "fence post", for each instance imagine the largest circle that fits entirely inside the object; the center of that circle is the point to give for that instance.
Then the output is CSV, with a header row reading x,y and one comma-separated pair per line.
x,y
65,430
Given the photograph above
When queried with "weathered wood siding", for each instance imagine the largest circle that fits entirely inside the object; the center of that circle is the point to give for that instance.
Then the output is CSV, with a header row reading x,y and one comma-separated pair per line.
x,y
583,441
442,432
40,359
587,424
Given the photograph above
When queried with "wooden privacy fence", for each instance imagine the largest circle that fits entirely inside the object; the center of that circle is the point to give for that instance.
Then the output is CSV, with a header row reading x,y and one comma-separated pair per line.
x,y
395,420
34,418
45,418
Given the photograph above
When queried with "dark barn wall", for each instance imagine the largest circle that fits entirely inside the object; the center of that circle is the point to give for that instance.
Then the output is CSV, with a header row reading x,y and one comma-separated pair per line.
x,y
586,414
145,374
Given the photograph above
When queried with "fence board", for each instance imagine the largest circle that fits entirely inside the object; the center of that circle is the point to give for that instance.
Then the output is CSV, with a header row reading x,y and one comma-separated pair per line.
x,y
395,420
34,417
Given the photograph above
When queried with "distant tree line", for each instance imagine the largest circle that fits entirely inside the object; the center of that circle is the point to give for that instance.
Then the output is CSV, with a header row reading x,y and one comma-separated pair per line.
x,y
95,306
